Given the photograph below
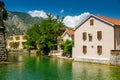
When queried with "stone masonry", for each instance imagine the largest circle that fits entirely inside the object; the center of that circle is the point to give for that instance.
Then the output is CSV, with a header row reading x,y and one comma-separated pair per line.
x,y
3,50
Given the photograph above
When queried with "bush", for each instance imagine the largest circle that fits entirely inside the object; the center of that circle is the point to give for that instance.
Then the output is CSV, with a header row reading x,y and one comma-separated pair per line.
x,y
67,48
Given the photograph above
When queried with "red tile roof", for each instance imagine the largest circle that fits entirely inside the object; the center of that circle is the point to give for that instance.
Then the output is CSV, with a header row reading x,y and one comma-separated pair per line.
x,y
112,20
71,31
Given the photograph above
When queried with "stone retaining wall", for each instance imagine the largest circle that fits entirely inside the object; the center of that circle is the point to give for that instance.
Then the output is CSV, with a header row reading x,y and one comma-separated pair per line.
x,y
22,51
115,57
93,60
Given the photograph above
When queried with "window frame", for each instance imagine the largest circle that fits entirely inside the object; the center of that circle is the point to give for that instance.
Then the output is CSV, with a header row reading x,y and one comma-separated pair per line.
x,y
90,37
84,49
24,37
91,22
99,49
84,36
99,35
17,38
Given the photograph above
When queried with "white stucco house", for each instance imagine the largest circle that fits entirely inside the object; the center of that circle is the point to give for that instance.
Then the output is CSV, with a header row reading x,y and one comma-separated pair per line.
x,y
95,37
68,34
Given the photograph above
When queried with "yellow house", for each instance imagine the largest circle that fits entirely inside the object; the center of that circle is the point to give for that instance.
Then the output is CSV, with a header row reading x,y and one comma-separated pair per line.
x,y
19,39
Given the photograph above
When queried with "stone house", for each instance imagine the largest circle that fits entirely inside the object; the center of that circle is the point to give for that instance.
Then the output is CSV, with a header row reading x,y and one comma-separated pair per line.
x,y
95,37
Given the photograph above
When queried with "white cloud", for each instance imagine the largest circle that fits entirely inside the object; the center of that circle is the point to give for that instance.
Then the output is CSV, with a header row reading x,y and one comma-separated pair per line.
x,y
72,21
38,13
62,11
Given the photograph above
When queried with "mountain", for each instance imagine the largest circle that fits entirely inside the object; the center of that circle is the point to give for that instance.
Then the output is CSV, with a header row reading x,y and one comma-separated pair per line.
x,y
18,22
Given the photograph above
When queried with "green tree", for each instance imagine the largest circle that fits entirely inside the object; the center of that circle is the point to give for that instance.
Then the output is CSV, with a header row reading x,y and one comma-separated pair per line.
x,y
45,35
67,48
50,30
32,36
5,13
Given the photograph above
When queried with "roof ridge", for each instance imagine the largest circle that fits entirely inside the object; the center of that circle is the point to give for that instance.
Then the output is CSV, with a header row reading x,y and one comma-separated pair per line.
x,y
112,20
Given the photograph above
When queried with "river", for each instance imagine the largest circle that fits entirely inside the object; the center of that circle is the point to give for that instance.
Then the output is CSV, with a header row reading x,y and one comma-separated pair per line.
x,y
47,68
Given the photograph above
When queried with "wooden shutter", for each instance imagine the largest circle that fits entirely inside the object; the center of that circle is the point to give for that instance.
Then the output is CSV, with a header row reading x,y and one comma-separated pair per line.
x,y
84,36
99,50
99,35
84,49
91,22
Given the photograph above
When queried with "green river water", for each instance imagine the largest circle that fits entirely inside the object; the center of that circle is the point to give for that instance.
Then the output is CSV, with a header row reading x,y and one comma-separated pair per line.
x,y
47,68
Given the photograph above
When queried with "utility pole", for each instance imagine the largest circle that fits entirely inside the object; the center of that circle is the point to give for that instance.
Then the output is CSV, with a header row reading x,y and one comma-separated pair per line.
x,y
3,50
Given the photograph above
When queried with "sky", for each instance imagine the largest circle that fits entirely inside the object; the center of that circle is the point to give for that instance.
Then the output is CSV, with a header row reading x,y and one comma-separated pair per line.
x,y
73,10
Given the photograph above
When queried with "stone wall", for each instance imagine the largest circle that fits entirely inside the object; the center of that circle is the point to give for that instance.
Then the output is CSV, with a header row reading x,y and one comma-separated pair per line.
x,y
115,57
3,51
93,60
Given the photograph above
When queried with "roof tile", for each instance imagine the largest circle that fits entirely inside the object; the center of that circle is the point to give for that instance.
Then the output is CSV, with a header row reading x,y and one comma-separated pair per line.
x,y
112,20
71,31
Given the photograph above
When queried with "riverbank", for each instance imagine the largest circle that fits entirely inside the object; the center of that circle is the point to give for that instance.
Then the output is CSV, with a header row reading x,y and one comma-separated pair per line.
x,y
48,68
5,63
58,55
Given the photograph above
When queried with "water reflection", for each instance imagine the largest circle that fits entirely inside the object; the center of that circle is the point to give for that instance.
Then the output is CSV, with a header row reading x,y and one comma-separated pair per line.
x,y
3,71
88,71
46,68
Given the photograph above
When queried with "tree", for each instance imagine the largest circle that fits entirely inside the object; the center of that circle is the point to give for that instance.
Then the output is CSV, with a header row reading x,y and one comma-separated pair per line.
x,y
32,36
5,14
45,34
50,29
67,48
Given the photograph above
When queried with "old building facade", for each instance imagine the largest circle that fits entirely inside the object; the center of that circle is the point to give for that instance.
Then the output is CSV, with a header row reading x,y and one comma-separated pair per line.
x,y
19,40
94,39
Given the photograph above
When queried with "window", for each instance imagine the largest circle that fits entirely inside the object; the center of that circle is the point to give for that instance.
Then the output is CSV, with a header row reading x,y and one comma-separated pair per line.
x,y
23,43
91,22
90,36
24,37
99,49
11,38
84,49
99,35
84,36
14,45
17,38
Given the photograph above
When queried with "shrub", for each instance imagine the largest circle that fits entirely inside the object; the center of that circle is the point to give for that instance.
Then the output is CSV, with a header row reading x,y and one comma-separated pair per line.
x,y
67,48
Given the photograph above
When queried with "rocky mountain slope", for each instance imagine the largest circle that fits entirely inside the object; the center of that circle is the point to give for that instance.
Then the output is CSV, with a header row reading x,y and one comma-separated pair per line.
x,y
19,22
